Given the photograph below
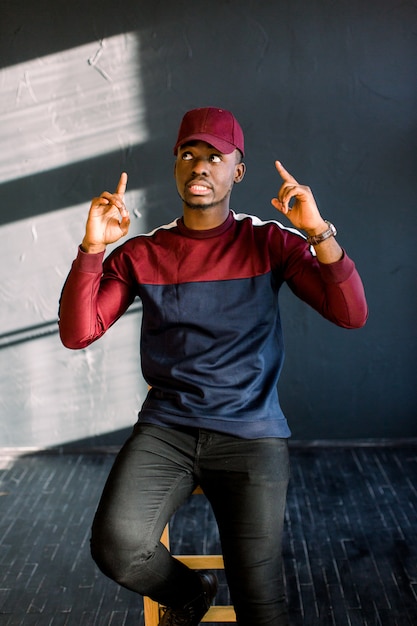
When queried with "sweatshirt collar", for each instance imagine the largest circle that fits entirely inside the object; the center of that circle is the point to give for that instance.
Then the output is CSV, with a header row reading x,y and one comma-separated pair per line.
x,y
205,234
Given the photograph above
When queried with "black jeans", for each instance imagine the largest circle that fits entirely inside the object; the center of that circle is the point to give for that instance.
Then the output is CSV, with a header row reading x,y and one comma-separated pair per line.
x,y
246,484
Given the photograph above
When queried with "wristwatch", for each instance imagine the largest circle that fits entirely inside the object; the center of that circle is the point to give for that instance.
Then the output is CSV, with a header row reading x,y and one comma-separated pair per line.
x,y
313,240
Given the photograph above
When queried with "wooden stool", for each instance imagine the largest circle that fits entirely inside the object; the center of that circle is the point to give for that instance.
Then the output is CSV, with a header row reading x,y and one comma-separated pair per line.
x,y
153,611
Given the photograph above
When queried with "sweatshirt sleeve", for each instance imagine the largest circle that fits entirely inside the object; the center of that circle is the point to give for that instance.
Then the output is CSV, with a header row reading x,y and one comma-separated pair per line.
x,y
91,301
335,290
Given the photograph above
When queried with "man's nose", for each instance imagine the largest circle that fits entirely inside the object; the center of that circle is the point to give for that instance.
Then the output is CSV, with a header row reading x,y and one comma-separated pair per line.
x,y
200,167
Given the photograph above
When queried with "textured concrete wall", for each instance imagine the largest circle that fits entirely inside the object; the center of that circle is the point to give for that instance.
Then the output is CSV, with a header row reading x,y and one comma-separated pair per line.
x,y
90,89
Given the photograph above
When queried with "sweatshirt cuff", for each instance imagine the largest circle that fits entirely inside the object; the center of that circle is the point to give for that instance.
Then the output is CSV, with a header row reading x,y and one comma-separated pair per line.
x,y
91,263
337,272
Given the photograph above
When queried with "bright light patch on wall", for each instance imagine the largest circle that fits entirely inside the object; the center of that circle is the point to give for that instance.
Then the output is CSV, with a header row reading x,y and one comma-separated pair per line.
x,y
71,106
37,253
50,395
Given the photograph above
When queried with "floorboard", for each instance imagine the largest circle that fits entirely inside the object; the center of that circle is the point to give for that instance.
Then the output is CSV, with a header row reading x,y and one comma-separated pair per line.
x,y
350,539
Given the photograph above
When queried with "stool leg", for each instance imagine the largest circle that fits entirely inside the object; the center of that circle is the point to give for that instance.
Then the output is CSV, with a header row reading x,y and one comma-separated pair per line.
x,y
150,612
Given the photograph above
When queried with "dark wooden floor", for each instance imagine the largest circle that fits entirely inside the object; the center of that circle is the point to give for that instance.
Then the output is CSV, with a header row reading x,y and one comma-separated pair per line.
x,y
350,540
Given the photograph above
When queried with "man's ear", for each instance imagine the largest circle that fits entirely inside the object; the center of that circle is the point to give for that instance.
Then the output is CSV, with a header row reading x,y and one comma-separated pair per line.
x,y
239,172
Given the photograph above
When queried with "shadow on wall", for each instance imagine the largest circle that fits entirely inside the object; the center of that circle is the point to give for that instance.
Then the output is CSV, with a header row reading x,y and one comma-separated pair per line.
x,y
90,90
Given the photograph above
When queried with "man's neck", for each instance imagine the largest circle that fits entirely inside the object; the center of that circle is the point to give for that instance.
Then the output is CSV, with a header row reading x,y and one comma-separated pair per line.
x,y
205,219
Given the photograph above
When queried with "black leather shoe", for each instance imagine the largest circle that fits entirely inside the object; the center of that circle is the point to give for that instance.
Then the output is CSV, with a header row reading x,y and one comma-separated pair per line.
x,y
192,613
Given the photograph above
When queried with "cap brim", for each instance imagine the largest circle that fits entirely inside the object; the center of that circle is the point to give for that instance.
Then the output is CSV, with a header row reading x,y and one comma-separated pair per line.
x,y
220,144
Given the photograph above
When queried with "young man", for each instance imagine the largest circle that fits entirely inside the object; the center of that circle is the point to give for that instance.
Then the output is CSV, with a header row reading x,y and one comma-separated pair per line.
x,y
211,352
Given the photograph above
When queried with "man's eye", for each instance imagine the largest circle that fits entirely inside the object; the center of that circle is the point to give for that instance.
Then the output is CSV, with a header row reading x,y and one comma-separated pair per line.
x,y
187,156
215,158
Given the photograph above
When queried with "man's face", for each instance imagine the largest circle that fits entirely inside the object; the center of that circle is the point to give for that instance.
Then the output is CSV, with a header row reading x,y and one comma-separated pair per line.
x,y
205,176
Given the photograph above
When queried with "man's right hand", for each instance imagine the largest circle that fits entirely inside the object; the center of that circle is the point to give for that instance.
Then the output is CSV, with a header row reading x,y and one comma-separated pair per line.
x,y
108,219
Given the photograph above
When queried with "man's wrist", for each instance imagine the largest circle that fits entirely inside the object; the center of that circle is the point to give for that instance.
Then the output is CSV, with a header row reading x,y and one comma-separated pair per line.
x,y
92,248
317,230
315,238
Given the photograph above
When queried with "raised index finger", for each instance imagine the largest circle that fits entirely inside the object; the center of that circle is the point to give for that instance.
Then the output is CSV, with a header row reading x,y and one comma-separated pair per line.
x,y
121,185
285,175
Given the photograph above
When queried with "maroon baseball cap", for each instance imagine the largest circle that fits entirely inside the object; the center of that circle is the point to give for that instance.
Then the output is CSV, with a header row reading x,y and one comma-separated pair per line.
x,y
217,127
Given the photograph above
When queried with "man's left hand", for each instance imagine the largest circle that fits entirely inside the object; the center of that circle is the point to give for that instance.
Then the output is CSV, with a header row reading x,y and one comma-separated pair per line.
x,y
298,204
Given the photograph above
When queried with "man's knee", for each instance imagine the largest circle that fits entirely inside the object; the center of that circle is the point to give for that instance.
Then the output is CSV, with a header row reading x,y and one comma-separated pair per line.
x,y
120,556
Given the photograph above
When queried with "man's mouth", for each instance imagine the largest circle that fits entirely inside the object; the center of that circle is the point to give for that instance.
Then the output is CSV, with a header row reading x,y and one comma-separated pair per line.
x,y
198,188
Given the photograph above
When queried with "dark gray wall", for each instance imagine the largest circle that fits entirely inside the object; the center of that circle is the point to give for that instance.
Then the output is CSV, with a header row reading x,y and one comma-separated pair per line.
x,y
327,87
